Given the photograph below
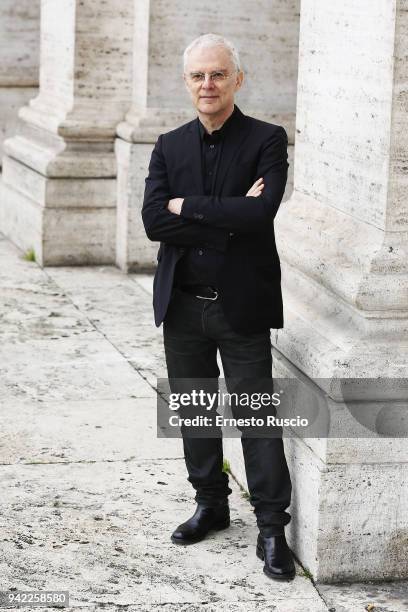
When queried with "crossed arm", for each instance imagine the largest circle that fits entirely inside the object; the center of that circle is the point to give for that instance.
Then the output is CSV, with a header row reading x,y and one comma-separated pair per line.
x,y
209,220
175,204
162,225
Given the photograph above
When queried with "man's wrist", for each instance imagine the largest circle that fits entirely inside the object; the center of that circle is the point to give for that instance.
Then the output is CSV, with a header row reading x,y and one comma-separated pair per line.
x,y
175,205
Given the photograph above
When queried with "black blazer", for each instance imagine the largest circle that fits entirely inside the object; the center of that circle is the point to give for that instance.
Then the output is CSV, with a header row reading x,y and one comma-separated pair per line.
x,y
241,227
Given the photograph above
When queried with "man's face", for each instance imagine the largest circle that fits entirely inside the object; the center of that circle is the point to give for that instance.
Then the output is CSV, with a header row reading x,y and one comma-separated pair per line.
x,y
212,96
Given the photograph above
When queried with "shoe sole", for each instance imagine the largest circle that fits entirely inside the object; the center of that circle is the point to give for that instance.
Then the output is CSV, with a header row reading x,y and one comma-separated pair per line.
x,y
287,576
217,527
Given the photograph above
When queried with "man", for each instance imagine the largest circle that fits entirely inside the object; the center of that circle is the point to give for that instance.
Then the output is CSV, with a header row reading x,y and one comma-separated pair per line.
x,y
213,190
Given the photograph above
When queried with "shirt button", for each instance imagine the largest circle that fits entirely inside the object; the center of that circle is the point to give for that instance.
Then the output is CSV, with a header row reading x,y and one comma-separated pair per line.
x,y
200,252
212,146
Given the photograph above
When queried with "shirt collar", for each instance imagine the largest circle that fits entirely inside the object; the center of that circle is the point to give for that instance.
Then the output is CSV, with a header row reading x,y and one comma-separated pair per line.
x,y
217,134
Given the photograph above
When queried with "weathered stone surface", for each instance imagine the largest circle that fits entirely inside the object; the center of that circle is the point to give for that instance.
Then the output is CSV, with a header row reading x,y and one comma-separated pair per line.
x,y
94,361
128,322
386,597
81,431
102,531
19,43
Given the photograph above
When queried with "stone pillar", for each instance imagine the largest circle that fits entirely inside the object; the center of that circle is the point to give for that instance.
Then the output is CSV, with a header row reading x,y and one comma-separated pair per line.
x,y
343,242
19,54
59,171
268,50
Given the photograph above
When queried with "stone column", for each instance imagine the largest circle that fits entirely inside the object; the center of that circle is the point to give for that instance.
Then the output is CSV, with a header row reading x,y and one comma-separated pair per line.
x,y
343,241
59,171
19,54
268,50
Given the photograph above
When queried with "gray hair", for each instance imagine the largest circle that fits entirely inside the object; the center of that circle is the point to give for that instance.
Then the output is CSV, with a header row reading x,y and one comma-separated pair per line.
x,y
213,40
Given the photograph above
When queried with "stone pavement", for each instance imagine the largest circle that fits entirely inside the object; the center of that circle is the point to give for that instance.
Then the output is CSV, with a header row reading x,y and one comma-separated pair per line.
x,y
89,493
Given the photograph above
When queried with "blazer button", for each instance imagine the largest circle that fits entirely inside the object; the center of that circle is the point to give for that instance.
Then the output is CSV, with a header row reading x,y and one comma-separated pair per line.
x,y
200,216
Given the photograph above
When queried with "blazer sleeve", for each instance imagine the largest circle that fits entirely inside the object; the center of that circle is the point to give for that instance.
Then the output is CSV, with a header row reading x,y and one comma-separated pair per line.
x,y
247,213
163,226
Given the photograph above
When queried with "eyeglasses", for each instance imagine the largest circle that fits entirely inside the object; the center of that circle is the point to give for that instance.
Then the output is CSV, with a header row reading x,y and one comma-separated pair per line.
x,y
217,76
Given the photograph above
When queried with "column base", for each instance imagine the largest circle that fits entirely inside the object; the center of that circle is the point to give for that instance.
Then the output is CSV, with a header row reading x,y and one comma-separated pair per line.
x,y
65,221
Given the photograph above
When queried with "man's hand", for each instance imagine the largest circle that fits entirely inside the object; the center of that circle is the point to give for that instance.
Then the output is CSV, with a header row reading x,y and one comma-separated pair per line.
x,y
174,205
256,188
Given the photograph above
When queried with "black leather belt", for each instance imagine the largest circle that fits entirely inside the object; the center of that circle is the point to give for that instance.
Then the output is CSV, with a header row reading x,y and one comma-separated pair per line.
x,y
203,292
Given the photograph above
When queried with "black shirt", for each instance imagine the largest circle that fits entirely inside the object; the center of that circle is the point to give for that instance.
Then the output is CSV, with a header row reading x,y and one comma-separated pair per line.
x,y
198,266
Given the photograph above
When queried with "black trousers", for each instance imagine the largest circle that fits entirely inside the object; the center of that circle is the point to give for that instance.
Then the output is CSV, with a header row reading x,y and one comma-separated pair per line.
x,y
193,331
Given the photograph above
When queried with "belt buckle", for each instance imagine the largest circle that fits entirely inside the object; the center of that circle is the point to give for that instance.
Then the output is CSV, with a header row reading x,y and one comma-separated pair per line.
x,y
204,297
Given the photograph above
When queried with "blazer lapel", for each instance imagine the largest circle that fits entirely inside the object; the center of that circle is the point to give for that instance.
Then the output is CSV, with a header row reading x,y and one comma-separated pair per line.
x,y
236,134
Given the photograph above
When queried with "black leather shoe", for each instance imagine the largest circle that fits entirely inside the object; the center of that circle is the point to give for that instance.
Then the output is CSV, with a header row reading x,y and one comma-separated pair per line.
x,y
203,520
275,551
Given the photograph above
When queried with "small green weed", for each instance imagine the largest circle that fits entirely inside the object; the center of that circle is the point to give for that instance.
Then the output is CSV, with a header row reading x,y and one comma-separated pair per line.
x,y
29,255
226,466
307,573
